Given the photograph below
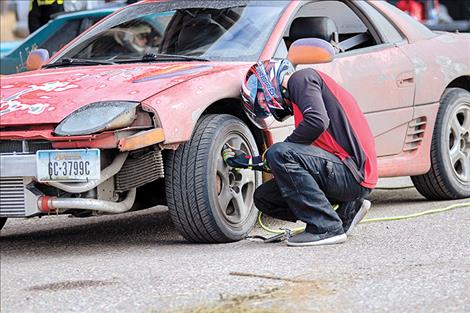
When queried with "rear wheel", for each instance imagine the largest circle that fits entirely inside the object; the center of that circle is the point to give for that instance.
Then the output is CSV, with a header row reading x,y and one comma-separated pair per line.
x,y
449,176
209,202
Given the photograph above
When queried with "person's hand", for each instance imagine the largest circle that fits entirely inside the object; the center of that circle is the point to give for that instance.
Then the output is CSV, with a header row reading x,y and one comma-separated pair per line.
x,y
236,158
228,153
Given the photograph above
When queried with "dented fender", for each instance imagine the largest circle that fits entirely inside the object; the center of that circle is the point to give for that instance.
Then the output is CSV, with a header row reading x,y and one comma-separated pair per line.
x,y
179,108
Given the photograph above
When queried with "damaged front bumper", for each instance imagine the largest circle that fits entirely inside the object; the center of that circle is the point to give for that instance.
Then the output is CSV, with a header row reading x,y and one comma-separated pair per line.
x,y
20,196
130,158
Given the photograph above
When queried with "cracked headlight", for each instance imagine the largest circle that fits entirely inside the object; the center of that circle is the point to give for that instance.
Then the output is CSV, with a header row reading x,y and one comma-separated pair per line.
x,y
97,117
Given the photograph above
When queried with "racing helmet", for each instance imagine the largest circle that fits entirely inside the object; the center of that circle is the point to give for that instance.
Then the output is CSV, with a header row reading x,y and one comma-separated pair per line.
x,y
263,96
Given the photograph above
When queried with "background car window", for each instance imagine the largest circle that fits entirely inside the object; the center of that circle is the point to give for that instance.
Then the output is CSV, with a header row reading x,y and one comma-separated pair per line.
x,y
389,31
88,22
63,35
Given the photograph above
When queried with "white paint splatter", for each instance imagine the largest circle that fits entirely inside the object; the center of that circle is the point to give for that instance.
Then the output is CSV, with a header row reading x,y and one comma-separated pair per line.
x,y
449,68
420,65
12,106
13,103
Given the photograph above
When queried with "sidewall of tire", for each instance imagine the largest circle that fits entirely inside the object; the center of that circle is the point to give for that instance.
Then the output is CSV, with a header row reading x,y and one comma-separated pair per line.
x,y
452,99
191,182
440,183
231,125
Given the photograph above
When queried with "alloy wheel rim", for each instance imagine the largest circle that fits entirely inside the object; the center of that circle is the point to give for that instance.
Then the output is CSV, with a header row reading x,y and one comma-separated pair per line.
x,y
235,188
458,142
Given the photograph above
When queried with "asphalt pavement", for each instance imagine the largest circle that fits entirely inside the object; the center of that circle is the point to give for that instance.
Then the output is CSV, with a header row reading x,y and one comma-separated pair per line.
x,y
137,262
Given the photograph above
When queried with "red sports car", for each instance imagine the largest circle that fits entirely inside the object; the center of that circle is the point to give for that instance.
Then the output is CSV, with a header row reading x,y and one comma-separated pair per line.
x,y
128,116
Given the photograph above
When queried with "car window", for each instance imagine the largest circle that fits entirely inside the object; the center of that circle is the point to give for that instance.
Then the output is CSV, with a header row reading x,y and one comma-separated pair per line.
x,y
345,19
349,32
88,22
130,38
391,34
220,31
63,35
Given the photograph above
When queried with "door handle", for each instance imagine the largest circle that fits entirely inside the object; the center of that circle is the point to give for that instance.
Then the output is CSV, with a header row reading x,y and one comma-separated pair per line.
x,y
406,79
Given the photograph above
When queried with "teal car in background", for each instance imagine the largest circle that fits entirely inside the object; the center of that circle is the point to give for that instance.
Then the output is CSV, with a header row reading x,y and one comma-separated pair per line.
x,y
7,46
52,37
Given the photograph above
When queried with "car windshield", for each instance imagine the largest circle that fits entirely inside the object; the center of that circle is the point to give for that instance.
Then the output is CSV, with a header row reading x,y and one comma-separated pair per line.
x,y
213,30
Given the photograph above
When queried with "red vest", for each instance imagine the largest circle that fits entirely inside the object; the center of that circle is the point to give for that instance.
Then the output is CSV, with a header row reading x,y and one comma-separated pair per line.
x,y
360,128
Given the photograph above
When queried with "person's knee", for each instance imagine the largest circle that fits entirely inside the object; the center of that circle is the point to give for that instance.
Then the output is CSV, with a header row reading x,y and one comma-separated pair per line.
x,y
278,152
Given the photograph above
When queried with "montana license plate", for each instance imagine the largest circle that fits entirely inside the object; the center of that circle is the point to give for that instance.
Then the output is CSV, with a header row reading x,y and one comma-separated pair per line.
x,y
68,165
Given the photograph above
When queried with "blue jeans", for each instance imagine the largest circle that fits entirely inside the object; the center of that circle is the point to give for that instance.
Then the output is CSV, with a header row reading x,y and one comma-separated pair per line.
x,y
307,180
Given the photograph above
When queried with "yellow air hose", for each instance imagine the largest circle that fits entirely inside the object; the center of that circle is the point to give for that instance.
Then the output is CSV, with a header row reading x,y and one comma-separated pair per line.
x,y
371,220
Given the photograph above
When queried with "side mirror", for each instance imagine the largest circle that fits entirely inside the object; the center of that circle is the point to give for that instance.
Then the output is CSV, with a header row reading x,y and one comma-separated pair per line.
x,y
310,51
36,59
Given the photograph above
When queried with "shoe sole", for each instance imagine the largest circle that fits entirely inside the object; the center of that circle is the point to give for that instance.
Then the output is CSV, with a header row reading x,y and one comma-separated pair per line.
x,y
359,216
327,241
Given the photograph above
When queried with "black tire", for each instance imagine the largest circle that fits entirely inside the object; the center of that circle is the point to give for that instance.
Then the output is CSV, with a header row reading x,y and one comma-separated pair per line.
x,y
449,176
199,184
3,220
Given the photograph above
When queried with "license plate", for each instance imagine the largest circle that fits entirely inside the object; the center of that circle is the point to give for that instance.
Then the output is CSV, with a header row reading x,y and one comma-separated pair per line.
x,y
68,165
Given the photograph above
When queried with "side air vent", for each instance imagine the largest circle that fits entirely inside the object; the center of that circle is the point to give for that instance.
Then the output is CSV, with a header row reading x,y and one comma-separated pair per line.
x,y
140,170
415,134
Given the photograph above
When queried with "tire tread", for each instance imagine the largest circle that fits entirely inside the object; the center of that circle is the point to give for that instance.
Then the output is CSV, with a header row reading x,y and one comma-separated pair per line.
x,y
187,195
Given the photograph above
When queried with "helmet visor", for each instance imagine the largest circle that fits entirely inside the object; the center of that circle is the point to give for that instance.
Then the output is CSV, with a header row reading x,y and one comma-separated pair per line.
x,y
255,105
252,88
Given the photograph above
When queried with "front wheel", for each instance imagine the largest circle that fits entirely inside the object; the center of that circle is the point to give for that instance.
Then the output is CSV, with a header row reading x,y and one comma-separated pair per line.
x,y
449,177
208,201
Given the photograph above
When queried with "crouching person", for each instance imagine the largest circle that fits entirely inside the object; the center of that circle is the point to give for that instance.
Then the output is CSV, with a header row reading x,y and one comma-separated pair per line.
x,y
328,159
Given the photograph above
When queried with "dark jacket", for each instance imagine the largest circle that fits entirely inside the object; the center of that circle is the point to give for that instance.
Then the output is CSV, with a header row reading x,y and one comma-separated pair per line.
x,y
328,116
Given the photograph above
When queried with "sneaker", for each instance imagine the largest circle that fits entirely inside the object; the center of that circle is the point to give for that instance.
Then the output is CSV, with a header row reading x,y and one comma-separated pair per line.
x,y
308,239
351,213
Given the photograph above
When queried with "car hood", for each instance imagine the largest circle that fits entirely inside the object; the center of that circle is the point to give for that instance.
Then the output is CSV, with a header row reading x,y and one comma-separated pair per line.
x,y
48,96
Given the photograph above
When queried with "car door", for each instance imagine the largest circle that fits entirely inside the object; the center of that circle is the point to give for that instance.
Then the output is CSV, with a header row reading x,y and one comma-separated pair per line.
x,y
375,71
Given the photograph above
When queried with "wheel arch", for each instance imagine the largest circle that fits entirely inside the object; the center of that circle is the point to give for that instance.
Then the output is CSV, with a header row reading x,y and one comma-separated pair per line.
x,y
460,82
180,108
232,106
